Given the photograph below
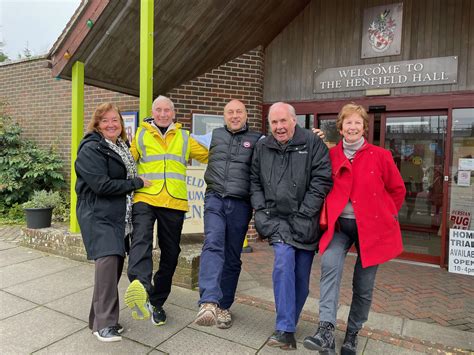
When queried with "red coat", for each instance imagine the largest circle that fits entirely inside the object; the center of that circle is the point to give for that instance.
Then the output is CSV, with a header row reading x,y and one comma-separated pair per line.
x,y
376,189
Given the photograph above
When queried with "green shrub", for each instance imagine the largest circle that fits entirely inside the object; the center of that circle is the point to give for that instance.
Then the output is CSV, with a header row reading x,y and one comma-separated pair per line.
x,y
44,199
12,214
24,167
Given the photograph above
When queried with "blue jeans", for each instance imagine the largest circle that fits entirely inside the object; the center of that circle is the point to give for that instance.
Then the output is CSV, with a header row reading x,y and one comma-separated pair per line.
x,y
332,266
291,270
225,226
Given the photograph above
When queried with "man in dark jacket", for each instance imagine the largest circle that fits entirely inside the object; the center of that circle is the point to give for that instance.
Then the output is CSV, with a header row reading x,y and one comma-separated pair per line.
x,y
227,213
290,177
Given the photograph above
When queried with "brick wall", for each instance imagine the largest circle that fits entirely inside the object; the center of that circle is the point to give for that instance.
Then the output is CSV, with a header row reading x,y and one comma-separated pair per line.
x,y
42,105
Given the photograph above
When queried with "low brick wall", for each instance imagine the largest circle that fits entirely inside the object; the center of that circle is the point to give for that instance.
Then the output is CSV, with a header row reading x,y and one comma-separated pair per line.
x,y
58,240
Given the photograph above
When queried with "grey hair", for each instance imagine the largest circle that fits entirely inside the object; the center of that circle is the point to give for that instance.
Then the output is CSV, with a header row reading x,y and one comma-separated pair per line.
x,y
163,98
291,109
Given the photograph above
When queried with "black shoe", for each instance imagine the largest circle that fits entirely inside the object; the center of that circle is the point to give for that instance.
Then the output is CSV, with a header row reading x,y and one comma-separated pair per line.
x,y
119,328
282,340
349,347
108,334
158,315
323,341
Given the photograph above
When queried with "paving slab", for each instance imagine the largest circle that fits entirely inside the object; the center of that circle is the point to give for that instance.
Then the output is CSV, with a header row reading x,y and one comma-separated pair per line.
x,y
17,255
438,334
11,305
376,347
261,292
184,297
35,329
246,282
77,304
83,342
378,321
144,332
33,269
51,287
5,245
191,341
300,349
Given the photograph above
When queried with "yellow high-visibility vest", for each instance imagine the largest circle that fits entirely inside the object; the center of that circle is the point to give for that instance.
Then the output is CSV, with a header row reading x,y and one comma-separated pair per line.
x,y
165,168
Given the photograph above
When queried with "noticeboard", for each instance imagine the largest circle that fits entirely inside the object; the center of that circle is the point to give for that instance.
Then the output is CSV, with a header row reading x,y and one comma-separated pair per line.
x,y
194,219
130,120
461,251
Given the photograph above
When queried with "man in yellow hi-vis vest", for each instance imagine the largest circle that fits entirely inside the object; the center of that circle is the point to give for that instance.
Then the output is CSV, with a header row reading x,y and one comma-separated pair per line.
x,y
162,149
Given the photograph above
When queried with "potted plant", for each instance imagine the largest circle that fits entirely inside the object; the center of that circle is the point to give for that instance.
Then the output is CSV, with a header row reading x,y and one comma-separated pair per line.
x,y
39,209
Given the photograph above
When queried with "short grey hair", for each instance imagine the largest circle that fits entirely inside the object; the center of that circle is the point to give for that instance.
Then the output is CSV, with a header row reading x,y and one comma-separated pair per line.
x,y
290,108
163,98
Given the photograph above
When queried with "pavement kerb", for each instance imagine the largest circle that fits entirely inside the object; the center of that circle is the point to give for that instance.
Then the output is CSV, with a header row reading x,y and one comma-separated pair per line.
x,y
398,340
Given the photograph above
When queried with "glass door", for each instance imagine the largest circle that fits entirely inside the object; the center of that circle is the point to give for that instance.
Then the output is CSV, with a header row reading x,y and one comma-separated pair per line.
x,y
417,142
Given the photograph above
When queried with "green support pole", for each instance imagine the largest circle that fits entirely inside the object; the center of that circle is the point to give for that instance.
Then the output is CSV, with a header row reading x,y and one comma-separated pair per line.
x,y
77,131
146,57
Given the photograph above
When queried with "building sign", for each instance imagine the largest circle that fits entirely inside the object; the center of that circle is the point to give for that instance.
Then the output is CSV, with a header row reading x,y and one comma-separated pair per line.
x,y
461,251
460,219
130,121
194,219
382,31
420,72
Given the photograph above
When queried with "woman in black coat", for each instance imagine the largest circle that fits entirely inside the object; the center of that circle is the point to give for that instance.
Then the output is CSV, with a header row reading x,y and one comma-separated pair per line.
x,y
106,178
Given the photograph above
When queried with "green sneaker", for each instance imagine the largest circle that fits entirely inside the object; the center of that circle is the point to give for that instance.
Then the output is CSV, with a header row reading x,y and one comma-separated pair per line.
x,y
136,299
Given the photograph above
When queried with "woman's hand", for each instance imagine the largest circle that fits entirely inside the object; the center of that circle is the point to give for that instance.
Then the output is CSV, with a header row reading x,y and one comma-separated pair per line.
x,y
146,182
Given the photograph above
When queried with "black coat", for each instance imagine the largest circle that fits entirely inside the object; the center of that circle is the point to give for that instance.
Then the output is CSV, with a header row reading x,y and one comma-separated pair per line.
x,y
230,156
288,187
101,189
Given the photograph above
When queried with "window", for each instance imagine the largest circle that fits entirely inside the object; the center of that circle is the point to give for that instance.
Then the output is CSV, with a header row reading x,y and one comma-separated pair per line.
x,y
204,124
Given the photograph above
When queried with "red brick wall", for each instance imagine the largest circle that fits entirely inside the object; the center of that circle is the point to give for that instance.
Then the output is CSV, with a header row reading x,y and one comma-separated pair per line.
x,y
42,104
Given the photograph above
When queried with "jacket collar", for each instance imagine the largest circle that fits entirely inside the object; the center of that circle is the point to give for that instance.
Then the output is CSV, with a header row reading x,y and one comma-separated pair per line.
x,y
340,148
146,124
342,161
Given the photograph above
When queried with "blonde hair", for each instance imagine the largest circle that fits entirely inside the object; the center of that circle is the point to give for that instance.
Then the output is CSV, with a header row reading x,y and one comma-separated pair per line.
x,y
100,111
348,110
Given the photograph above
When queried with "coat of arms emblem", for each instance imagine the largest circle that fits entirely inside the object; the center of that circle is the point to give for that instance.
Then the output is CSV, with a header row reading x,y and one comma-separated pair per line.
x,y
381,31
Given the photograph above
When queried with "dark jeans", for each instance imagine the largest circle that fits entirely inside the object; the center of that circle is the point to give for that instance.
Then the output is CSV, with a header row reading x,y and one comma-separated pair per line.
x,y
105,308
225,225
332,266
140,262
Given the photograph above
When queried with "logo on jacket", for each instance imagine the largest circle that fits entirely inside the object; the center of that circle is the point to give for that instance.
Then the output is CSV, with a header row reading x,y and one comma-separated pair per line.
x,y
246,144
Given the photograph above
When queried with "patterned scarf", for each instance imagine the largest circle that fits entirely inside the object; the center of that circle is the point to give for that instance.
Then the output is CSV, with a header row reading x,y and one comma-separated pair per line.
x,y
122,150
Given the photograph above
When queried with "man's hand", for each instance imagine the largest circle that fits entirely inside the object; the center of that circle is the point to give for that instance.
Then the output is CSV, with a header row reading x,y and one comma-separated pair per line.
x,y
319,132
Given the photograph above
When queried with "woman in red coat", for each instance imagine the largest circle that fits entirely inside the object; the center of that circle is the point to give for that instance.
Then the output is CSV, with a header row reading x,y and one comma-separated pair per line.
x,y
362,209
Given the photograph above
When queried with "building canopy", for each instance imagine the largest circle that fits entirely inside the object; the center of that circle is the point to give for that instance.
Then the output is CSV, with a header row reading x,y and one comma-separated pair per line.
x,y
191,37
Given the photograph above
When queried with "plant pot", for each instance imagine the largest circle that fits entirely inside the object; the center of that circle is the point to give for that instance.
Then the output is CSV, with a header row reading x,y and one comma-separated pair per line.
x,y
38,217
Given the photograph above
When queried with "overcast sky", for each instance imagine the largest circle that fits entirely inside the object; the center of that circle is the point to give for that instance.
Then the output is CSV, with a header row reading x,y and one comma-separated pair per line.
x,y
35,24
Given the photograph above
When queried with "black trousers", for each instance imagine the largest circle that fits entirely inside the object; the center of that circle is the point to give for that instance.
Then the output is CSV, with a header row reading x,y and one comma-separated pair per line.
x,y
105,300
140,262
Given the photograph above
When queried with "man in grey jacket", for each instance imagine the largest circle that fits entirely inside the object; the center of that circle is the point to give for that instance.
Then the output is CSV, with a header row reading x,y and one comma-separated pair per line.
x,y
290,177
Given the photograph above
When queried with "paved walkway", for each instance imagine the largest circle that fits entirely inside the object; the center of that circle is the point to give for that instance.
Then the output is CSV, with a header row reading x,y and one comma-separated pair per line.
x,y
45,302
417,292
